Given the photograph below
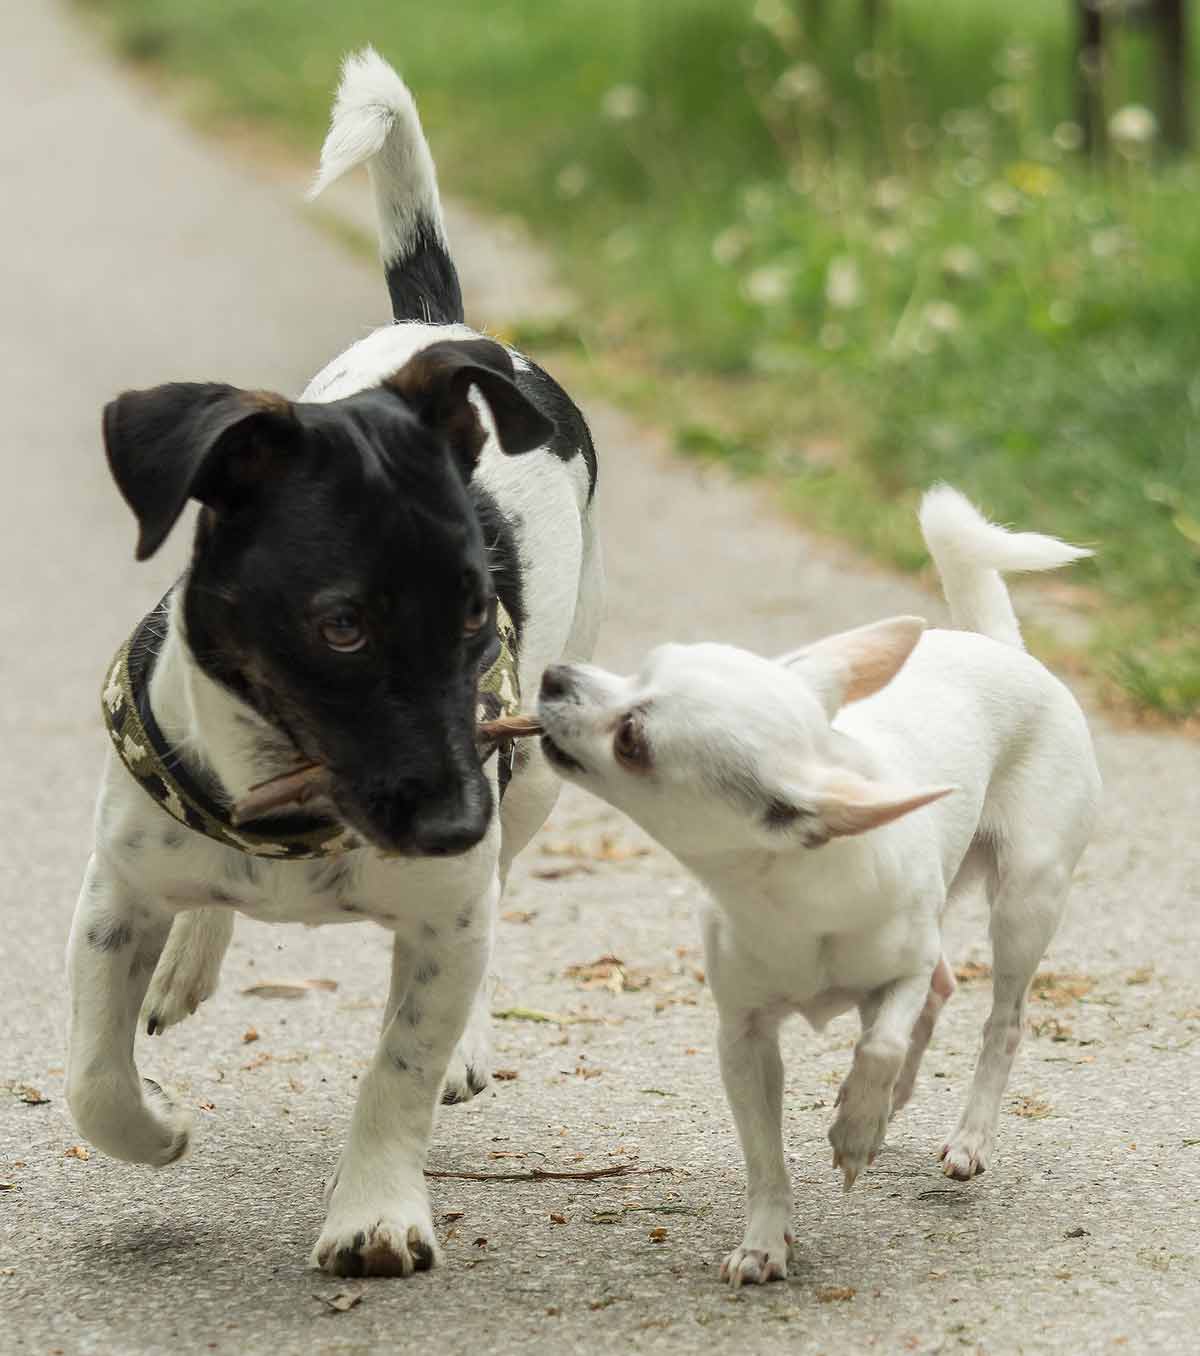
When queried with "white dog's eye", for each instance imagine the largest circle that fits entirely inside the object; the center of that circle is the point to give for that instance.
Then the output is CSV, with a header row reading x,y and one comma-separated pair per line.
x,y
628,744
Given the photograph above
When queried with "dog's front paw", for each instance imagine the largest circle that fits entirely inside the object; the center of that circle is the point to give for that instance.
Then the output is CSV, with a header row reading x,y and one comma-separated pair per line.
x,y
757,1261
189,969
966,1154
470,1068
858,1132
379,1242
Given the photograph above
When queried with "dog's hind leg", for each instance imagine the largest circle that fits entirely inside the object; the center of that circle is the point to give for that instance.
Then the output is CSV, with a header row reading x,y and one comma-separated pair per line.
x,y
941,990
189,968
115,941
1026,908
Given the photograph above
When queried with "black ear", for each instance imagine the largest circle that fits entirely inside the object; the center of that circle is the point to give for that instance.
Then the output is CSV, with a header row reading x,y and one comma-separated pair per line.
x,y
188,440
435,382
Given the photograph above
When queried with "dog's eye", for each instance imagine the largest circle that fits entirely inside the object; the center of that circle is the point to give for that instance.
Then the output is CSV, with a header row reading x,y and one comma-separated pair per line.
x,y
628,744
343,631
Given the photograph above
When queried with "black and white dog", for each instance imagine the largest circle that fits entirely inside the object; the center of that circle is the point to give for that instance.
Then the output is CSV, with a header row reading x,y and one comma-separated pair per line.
x,y
351,555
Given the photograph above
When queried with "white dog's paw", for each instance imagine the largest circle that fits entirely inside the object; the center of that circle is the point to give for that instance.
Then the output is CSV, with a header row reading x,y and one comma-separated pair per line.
x,y
189,969
757,1261
470,1068
388,1241
967,1153
857,1133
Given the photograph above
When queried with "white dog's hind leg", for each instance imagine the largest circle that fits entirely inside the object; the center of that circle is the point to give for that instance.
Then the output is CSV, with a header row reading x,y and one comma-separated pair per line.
x,y
941,990
115,941
1025,914
865,1099
189,968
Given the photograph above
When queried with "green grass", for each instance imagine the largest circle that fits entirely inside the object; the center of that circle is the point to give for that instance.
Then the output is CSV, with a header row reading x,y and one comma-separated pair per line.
x,y
854,270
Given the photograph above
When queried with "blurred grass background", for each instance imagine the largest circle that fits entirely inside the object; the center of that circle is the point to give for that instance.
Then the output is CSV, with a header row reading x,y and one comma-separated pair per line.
x,y
855,261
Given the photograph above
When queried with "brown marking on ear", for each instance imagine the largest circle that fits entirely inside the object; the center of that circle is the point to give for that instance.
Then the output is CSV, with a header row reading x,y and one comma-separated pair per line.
x,y
270,402
420,382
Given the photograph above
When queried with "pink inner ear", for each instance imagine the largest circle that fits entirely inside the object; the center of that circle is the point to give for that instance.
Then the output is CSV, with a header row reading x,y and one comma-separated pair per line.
x,y
852,804
875,654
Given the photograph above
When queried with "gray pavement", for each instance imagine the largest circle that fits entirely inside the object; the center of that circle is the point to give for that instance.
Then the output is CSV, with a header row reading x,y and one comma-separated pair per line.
x,y
132,252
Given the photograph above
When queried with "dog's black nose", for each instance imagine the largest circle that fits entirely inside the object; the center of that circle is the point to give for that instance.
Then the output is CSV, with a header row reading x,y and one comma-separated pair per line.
x,y
556,682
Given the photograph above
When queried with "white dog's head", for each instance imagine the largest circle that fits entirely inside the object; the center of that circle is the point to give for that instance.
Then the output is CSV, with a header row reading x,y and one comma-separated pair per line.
x,y
713,749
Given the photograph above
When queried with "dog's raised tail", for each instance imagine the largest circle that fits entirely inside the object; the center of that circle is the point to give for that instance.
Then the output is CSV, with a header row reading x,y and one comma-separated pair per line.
x,y
375,122
972,555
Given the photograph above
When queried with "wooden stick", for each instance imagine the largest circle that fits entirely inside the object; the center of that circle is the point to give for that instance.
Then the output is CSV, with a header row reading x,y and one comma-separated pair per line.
x,y
544,1175
302,784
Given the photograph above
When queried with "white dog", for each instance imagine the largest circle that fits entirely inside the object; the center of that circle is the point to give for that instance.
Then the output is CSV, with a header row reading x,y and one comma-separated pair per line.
x,y
832,840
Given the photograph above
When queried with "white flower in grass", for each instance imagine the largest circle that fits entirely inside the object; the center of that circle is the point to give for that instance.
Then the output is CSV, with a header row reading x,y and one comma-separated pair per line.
x,y
623,103
889,195
843,284
1003,200
1068,136
730,245
572,180
767,286
801,83
942,317
1132,128
892,241
961,263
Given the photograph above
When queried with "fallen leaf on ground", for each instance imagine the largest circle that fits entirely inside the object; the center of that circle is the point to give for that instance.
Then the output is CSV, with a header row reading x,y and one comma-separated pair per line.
x,y
343,1300
295,1084
249,1037
505,1075
658,1235
519,916
449,1216
1076,1233
1050,986
969,971
79,1151
9,1186
26,1093
830,1294
558,1219
1143,975
561,872
1052,1028
1032,1108
537,1015
607,972
290,989
207,1106
608,848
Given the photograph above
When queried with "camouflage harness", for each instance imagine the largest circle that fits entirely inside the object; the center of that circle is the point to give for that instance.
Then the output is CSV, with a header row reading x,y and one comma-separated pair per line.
x,y
196,803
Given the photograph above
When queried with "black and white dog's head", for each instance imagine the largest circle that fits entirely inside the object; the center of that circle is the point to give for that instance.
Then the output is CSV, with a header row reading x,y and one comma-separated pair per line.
x,y
339,582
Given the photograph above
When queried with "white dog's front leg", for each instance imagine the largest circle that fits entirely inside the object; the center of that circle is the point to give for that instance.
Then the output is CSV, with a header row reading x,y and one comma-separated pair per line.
x,y
752,1071
865,1099
114,944
378,1222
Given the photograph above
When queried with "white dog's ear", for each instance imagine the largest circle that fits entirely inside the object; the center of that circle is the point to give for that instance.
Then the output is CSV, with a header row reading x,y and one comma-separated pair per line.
x,y
854,664
841,803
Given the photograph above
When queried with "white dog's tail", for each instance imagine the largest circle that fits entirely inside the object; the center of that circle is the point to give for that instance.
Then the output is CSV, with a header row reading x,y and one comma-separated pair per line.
x,y
375,122
972,554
